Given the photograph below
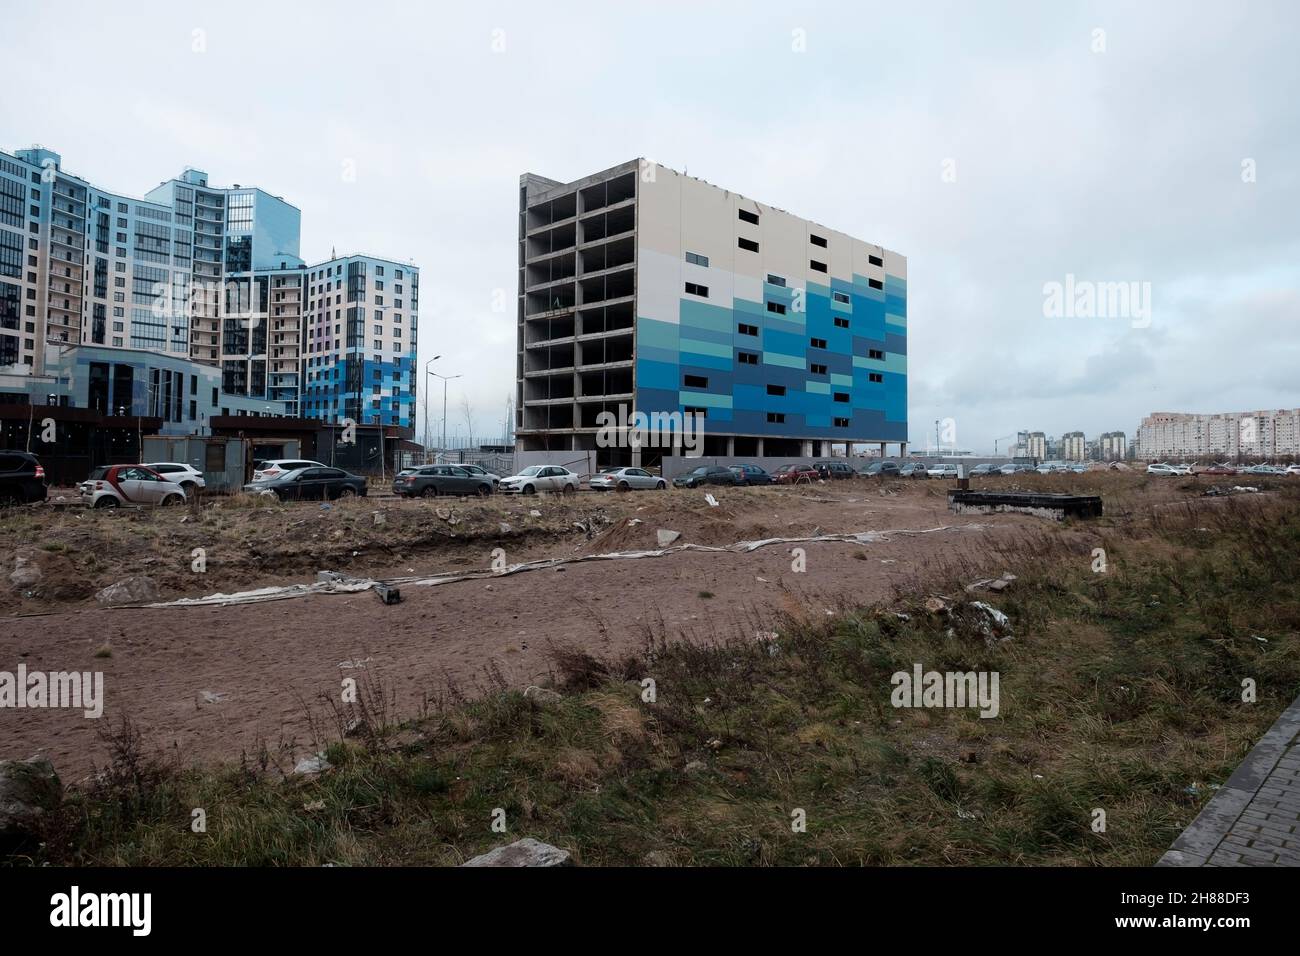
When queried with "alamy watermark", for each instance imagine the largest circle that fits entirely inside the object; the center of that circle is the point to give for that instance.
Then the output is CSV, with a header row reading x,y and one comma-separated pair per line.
x,y
1085,299
652,430
38,690
952,689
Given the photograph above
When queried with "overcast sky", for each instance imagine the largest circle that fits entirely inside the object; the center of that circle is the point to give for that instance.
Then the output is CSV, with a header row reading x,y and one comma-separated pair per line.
x,y
1000,147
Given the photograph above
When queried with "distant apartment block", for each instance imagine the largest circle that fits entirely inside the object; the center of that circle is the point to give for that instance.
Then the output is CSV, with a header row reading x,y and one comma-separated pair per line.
x,y
1259,434
645,288
1035,445
1074,447
209,274
1112,446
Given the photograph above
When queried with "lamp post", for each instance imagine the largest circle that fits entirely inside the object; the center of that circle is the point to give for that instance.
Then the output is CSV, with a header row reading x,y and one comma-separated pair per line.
x,y
445,380
426,407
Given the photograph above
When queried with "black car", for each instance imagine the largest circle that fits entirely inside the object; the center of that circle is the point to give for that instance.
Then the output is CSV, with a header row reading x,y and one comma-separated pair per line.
x,y
433,480
881,469
750,475
311,484
984,469
829,470
707,475
22,478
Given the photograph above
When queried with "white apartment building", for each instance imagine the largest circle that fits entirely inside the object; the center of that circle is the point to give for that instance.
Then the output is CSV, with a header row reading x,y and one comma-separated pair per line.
x,y
1257,434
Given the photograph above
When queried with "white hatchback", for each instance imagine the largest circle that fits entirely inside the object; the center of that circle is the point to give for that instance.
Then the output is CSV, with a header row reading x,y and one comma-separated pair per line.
x,y
187,476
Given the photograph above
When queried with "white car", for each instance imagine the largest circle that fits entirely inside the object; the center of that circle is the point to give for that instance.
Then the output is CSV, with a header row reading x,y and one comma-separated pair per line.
x,y
279,467
478,471
1164,471
626,479
187,476
537,478
1052,467
1293,469
941,471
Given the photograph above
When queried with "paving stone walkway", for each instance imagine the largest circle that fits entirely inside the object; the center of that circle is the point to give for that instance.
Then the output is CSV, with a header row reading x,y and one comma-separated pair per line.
x,y
1254,820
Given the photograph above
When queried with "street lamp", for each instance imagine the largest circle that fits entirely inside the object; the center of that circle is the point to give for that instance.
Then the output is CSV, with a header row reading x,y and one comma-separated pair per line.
x,y
445,380
426,407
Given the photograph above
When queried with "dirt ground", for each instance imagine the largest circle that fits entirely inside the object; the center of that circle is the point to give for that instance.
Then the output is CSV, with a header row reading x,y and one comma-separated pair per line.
x,y
210,683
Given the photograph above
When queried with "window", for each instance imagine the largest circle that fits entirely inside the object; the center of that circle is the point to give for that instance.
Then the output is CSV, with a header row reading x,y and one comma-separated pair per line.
x,y
841,396
875,283
696,259
875,377
817,240
875,354
748,358
841,423
841,322
776,280
816,266
840,297
817,369
776,418
748,329
695,381
776,390
876,260
817,343
748,245
694,288
747,216
776,307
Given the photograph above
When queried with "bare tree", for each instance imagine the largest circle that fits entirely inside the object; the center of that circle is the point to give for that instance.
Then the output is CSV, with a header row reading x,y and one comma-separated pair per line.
x,y
467,412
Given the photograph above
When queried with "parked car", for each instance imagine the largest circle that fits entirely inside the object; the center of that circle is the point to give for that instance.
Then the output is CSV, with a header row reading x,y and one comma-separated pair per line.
x,y
795,474
481,472
111,486
834,470
1162,470
1293,469
706,475
1221,469
1052,467
626,479
187,476
22,478
880,469
1263,470
310,484
751,474
537,478
912,469
277,467
941,471
1015,468
986,469
430,481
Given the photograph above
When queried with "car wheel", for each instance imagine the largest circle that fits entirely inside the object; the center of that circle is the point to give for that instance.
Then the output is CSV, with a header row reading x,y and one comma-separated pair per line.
x,y
429,492
569,490
347,492
173,499
624,486
107,501
661,485
484,491
529,490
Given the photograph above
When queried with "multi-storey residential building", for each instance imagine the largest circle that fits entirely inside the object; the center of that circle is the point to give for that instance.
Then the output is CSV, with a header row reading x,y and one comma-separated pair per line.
x,y
359,351
1258,434
1036,445
1073,446
209,274
1112,446
643,290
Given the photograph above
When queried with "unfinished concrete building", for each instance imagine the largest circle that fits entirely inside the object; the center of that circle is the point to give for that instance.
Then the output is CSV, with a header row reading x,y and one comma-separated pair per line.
x,y
645,290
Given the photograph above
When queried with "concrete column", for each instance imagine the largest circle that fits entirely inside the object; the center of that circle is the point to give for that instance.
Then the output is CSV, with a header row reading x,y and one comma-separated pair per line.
x,y
805,448
760,449
731,446
902,449
882,449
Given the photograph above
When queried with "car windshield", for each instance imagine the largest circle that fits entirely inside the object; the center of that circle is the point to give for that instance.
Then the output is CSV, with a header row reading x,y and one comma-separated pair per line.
x,y
530,471
702,470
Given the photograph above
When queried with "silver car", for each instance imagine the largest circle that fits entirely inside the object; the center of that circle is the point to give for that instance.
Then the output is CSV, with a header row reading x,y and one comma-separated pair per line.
x,y
626,479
